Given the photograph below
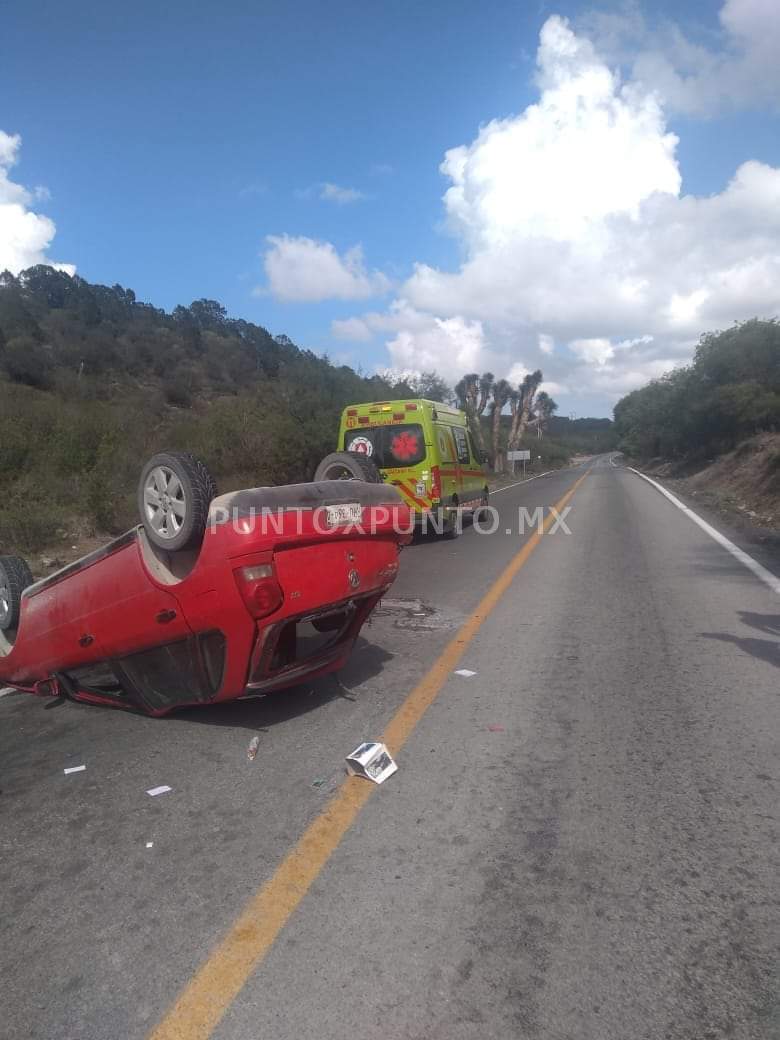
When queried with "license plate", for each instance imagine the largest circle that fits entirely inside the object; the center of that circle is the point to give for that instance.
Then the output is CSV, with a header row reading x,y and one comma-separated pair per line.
x,y
348,514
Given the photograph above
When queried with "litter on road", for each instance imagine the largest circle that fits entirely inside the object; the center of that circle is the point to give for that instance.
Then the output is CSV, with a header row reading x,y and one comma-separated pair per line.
x,y
74,769
372,761
465,672
153,791
251,751
150,844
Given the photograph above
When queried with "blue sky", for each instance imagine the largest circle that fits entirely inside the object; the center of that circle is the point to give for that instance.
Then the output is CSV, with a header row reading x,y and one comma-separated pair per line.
x,y
174,140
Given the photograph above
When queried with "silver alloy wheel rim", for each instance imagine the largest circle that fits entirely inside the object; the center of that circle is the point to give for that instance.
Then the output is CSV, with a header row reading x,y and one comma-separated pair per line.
x,y
165,505
5,603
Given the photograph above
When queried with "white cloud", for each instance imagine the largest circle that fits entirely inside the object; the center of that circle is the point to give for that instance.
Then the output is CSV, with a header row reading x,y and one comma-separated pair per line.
x,y
739,68
342,196
546,343
24,236
329,192
517,372
554,389
399,315
355,329
596,351
461,342
574,231
516,179
306,270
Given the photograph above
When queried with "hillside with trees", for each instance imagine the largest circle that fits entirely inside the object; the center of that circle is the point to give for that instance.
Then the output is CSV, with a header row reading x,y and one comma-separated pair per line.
x,y
731,391
93,381
715,423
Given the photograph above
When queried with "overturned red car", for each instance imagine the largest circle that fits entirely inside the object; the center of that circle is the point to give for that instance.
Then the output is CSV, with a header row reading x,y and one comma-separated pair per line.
x,y
209,598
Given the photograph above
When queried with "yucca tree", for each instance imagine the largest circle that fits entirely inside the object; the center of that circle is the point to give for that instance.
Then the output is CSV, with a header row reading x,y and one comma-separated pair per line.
x,y
467,392
522,403
472,393
502,392
544,407
486,381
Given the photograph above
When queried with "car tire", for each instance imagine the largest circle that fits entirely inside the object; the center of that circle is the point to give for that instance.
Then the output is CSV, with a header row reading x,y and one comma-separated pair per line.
x,y
205,472
480,512
174,494
453,527
348,465
15,577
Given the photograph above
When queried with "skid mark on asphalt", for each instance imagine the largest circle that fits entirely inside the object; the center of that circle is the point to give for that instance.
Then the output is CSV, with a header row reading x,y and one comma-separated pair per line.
x,y
207,996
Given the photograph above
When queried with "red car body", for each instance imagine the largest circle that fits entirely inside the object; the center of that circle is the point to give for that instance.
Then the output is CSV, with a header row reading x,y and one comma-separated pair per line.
x,y
277,592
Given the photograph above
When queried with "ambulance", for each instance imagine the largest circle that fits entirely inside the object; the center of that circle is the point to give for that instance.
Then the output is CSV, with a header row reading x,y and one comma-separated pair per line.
x,y
424,448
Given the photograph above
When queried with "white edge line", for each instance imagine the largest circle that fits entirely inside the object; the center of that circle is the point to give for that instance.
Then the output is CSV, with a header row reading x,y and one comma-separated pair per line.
x,y
508,487
739,554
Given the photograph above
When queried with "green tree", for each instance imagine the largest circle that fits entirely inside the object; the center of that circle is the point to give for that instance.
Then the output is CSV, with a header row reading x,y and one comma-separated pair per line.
x,y
521,403
502,392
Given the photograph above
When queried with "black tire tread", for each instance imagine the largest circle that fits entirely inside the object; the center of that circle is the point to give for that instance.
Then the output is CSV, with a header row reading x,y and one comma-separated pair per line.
x,y
211,484
18,576
362,468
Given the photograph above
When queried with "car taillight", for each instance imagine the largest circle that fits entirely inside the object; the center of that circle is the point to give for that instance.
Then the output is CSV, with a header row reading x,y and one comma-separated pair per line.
x,y
435,483
259,589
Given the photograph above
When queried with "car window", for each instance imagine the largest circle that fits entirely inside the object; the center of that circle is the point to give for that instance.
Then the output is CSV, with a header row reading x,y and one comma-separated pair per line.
x,y
177,673
444,441
461,446
390,447
98,678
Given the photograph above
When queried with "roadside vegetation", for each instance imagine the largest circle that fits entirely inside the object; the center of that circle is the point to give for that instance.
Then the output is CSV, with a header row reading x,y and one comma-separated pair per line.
x,y
715,423
730,392
93,381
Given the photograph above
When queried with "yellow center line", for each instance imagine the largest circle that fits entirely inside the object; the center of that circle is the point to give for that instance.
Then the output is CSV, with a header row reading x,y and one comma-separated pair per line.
x,y
215,985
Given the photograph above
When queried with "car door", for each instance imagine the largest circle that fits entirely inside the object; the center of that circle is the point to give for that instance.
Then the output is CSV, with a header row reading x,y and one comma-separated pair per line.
x,y
463,459
474,482
123,609
448,464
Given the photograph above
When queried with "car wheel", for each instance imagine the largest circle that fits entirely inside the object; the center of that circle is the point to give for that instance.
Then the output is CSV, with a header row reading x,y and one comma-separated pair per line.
x,y
15,577
348,465
173,499
480,513
453,526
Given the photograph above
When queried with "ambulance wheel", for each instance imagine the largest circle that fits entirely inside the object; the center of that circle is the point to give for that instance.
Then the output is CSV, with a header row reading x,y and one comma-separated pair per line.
x,y
15,576
348,465
453,525
480,511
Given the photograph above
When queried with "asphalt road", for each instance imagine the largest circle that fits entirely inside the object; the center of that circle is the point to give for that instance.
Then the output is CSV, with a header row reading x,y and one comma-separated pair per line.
x,y
579,843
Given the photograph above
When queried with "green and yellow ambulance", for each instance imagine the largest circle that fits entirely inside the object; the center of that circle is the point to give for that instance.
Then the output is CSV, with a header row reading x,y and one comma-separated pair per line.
x,y
424,448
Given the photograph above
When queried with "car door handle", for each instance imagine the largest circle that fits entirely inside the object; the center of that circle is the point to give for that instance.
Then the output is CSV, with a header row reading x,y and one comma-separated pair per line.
x,y
165,616
86,640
